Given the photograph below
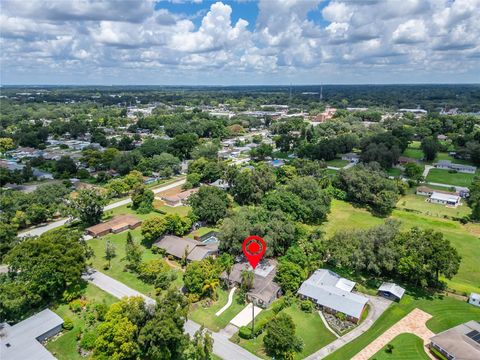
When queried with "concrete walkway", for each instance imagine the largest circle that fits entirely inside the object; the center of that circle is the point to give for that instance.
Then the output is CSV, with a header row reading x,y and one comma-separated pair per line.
x,y
53,225
427,170
377,306
229,302
222,347
413,323
244,317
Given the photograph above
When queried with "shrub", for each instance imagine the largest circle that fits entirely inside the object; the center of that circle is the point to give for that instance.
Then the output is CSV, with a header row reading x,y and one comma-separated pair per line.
x,y
245,332
67,323
341,316
88,340
306,306
76,305
389,348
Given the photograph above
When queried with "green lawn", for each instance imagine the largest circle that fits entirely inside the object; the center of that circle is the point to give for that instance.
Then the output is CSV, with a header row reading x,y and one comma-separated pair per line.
x,y
405,347
415,144
337,163
419,204
207,317
118,265
445,156
309,327
64,347
202,231
395,172
465,238
413,153
447,312
445,177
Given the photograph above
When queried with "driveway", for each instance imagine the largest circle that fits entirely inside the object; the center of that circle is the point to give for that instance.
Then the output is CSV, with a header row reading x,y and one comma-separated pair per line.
x,y
222,347
377,306
53,225
413,323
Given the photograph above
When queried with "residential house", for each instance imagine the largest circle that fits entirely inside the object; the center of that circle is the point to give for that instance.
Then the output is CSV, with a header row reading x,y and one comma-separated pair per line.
x,y
391,291
448,165
221,184
265,290
402,160
180,248
23,340
332,293
444,199
351,157
116,225
461,342
178,199
474,299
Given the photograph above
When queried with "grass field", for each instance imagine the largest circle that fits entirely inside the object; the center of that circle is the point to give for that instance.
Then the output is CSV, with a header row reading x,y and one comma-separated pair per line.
x,y
465,238
202,231
445,177
64,347
207,317
419,204
337,163
447,312
394,172
413,153
309,327
405,347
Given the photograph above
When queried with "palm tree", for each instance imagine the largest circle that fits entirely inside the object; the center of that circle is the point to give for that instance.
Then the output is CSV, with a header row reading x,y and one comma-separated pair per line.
x,y
247,279
210,287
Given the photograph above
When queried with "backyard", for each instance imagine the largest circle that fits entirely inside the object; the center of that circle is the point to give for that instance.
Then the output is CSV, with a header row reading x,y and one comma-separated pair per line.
x,y
446,311
64,347
446,177
419,204
465,238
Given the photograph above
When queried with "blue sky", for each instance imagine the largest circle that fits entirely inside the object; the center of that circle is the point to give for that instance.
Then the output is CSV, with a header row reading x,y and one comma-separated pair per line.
x,y
239,42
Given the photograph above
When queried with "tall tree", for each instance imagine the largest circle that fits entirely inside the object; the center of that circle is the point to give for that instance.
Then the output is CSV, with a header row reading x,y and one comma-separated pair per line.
x,y
281,341
133,253
88,205
430,148
210,204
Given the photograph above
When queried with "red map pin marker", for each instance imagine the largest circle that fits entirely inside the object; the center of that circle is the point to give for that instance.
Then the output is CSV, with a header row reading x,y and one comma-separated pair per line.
x,y
254,247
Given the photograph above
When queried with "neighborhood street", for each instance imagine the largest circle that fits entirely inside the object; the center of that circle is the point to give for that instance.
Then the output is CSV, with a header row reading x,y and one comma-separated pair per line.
x,y
221,345
41,229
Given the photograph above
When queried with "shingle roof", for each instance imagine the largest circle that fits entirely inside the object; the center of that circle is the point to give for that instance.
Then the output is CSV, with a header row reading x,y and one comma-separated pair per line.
x,y
392,288
22,337
116,223
330,290
175,245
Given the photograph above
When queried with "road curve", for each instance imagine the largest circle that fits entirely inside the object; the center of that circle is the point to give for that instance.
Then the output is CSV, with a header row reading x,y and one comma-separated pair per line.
x,y
41,229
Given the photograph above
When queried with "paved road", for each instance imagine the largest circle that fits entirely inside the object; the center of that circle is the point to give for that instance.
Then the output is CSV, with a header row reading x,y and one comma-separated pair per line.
x,y
41,229
377,306
221,345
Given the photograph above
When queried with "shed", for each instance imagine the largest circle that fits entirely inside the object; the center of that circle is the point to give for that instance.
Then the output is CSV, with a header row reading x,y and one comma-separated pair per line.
x,y
474,299
391,291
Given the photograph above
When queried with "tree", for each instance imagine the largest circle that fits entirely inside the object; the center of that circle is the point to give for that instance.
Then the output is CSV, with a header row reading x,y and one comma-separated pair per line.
x,y
261,152
425,255
66,167
8,238
6,144
201,278
153,228
201,346
88,205
210,204
474,199
414,171
280,339
142,200
248,278
249,186
430,148
289,276
133,253
163,335
207,150
109,252
40,270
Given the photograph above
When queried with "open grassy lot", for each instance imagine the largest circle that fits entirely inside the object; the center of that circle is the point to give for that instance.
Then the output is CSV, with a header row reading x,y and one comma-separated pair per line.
x,y
413,153
406,346
309,327
64,347
446,177
337,163
447,312
419,204
465,238
445,156
206,316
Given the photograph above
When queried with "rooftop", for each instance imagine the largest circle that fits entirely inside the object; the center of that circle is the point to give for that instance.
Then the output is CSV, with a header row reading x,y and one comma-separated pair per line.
x,y
461,342
392,288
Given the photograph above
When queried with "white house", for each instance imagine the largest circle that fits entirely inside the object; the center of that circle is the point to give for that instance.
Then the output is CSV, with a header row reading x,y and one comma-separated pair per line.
x,y
474,299
444,199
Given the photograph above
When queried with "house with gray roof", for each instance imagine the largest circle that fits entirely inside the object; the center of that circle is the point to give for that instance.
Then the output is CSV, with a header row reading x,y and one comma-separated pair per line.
x,y
461,342
180,247
23,340
332,293
462,168
265,290
391,291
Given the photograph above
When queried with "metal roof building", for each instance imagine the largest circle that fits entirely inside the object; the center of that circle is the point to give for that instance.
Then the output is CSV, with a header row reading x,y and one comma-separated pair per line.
x,y
390,290
329,290
460,342
22,341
